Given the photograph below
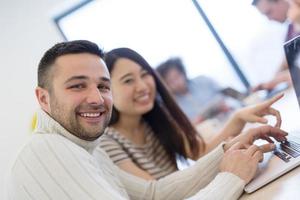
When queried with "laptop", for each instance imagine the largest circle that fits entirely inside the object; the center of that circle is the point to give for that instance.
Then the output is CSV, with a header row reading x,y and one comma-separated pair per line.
x,y
286,156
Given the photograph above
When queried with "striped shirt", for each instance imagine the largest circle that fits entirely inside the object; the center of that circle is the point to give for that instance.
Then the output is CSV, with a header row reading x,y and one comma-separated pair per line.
x,y
56,165
151,157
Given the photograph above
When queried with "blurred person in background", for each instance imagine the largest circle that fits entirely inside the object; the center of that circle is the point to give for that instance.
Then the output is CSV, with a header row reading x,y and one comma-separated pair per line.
x,y
199,98
277,10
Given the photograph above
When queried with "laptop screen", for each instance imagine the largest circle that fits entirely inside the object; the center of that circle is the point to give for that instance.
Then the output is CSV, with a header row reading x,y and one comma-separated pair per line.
x,y
292,52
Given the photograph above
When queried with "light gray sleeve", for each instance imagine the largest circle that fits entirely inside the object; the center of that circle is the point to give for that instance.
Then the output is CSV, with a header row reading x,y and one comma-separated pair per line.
x,y
201,181
224,186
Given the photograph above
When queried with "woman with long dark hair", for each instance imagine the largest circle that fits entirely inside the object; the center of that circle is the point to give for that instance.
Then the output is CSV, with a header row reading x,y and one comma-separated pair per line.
x,y
148,129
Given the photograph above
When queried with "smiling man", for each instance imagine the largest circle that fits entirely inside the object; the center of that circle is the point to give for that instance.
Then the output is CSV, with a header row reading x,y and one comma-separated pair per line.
x,y
60,161
79,95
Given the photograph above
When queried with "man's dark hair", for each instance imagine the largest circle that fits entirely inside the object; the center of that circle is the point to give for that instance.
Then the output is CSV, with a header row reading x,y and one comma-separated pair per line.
x,y
169,64
60,49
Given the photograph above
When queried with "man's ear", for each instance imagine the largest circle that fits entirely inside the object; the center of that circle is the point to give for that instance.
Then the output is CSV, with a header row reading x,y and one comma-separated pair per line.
x,y
43,98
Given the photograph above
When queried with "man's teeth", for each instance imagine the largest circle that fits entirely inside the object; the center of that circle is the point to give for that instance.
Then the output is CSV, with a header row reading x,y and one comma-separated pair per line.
x,y
90,114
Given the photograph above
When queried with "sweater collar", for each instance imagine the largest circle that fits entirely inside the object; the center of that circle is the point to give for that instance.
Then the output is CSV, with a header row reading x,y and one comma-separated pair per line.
x,y
47,125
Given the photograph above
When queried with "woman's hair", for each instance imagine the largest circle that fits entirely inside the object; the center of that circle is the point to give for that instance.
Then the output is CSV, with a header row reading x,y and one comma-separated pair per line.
x,y
166,119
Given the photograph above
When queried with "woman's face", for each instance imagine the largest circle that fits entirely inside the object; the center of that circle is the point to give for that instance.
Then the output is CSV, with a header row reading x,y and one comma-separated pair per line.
x,y
133,88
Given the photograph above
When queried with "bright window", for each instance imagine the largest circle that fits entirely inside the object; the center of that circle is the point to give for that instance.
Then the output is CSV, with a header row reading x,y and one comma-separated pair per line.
x,y
160,29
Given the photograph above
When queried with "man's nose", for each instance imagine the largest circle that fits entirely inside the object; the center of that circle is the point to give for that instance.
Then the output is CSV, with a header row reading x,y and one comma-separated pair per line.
x,y
95,96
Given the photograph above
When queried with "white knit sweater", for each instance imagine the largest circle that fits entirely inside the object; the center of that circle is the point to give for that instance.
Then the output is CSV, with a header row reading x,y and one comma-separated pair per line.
x,y
54,164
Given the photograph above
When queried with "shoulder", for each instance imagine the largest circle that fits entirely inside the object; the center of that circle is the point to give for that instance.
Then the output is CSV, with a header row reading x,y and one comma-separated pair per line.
x,y
46,154
44,142
112,137
53,142
204,82
112,141
41,148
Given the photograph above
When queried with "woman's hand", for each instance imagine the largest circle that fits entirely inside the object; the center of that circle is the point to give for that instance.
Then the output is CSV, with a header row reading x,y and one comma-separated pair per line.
x,y
257,112
248,114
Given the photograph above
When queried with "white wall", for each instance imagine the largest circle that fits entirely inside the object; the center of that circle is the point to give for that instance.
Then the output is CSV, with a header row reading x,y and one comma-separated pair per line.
x,y
26,31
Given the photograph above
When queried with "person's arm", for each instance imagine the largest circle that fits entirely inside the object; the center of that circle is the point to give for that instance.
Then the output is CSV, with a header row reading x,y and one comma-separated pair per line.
x,y
202,179
284,66
282,75
214,176
132,168
237,122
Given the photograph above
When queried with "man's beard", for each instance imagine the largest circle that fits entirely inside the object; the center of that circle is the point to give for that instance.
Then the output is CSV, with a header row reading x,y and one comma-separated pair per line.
x,y
68,119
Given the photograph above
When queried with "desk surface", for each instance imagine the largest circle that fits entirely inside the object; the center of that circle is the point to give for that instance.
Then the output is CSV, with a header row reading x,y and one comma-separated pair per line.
x,y
287,186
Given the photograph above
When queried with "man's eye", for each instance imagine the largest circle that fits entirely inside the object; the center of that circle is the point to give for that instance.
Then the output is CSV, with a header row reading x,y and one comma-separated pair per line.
x,y
77,86
103,88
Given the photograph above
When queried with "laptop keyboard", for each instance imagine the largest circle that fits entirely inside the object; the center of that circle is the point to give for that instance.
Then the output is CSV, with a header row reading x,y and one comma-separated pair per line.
x,y
287,150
